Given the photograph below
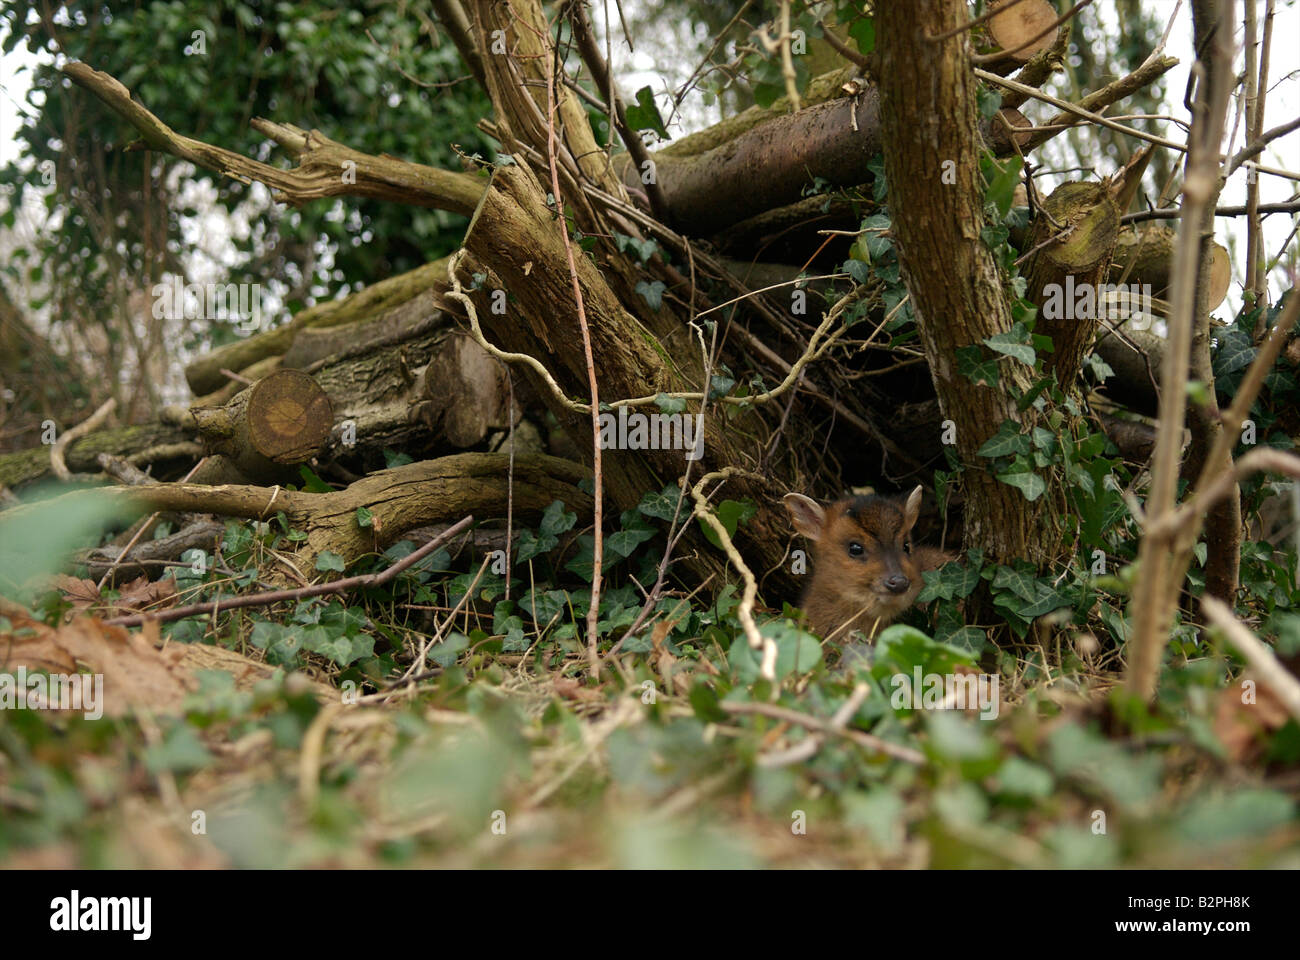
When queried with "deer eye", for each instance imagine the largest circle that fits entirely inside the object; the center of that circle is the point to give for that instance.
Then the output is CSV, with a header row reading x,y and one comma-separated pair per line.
x,y
907,547
856,549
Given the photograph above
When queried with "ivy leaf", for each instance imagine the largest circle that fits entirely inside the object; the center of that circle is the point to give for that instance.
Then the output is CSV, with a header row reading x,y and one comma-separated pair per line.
x,y
626,541
343,650
313,483
1018,582
1029,483
1099,367
1046,600
181,751
557,520
662,505
444,654
669,405
863,32
988,101
653,292
1018,777
1007,442
365,518
1010,344
704,701
952,581
732,513
645,249
1235,351
1003,177
329,561
857,270
967,638
1043,438
583,562
531,545
972,365
644,114
720,386
514,641
543,607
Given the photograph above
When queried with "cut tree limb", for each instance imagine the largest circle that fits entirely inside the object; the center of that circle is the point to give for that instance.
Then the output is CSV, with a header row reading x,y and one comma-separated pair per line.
x,y
1014,36
268,429
375,301
1077,262
772,164
399,499
1146,256
325,168
27,466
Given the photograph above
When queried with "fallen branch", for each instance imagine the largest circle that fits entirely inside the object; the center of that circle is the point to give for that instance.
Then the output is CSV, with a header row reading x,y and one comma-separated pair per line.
x,y
787,715
745,612
325,168
300,593
58,465
1271,672
398,499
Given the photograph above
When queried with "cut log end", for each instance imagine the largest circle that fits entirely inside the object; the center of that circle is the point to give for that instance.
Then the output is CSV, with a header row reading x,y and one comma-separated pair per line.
x,y
1147,256
282,420
1012,30
289,417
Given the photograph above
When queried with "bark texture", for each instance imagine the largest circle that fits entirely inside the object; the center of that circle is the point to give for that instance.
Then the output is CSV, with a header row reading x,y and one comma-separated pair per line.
x,y
928,120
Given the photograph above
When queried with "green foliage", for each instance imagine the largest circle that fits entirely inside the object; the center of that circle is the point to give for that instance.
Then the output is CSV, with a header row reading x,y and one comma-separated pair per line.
x,y
37,541
643,114
732,513
310,64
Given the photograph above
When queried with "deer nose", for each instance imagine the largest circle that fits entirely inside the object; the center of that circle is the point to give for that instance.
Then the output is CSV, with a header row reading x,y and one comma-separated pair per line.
x,y
897,583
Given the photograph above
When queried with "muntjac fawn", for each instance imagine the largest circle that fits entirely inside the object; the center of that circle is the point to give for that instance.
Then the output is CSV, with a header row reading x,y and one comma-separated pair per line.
x,y
866,571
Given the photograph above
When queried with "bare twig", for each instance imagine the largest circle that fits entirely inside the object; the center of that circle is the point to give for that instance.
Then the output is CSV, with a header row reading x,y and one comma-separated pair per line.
x,y
58,465
143,527
1271,672
593,611
316,590
1173,213
604,80
1158,578
745,612
820,725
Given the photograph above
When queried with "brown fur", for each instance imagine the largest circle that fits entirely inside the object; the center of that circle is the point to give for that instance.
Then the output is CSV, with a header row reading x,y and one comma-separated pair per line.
x,y
864,590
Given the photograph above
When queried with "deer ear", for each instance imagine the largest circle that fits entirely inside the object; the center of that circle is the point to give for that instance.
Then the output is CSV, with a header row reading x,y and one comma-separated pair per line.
x,y
808,515
912,509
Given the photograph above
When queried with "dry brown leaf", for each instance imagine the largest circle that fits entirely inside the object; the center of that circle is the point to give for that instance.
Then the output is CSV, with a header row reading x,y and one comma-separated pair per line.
x,y
143,593
32,645
1239,725
138,596
571,689
135,673
662,660
80,593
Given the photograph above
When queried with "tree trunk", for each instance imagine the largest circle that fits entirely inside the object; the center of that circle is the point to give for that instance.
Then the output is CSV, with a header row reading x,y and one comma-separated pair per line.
x,y
928,126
